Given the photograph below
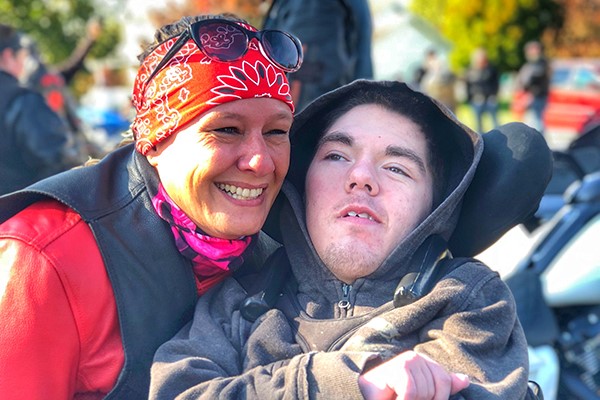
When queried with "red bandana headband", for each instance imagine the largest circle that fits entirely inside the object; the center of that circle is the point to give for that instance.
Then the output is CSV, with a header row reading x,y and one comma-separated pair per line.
x,y
191,84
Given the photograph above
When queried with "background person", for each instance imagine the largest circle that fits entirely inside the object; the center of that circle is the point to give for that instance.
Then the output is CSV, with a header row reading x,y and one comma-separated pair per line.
x,y
438,81
483,83
336,36
534,80
52,81
35,141
102,264
378,171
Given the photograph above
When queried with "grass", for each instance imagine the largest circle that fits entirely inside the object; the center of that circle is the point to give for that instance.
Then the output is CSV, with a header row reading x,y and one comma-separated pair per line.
x,y
466,115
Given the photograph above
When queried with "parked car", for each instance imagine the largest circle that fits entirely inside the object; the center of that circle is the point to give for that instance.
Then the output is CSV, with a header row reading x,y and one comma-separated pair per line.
x,y
574,100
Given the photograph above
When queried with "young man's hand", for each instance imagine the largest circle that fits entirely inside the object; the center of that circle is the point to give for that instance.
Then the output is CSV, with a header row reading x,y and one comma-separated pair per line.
x,y
410,376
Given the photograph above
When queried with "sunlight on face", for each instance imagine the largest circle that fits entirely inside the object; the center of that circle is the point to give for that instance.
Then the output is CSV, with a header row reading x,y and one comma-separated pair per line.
x,y
225,168
367,187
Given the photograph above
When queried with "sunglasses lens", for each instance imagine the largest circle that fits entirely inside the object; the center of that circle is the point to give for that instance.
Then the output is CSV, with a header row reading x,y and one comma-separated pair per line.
x,y
281,48
224,42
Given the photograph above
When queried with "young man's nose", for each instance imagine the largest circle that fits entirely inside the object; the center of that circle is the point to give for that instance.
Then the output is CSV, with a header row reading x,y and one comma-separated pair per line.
x,y
362,177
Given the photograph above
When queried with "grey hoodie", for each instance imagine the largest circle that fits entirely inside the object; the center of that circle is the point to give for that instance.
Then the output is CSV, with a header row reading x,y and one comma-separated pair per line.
x,y
311,345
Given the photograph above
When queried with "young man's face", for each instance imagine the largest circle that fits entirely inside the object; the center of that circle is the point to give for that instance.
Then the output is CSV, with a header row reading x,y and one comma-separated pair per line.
x,y
367,187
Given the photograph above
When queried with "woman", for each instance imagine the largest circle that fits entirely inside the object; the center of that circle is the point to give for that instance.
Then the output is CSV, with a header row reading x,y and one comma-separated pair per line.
x,y
374,192
102,264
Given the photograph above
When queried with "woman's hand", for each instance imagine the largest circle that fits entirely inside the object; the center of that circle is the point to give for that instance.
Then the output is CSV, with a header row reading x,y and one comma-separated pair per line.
x,y
410,376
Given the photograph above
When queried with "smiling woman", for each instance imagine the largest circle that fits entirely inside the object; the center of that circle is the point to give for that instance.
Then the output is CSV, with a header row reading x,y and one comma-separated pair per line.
x,y
226,167
135,238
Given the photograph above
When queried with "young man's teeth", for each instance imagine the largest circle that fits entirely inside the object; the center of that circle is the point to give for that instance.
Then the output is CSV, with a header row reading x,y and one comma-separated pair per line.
x,y
240,193
361,215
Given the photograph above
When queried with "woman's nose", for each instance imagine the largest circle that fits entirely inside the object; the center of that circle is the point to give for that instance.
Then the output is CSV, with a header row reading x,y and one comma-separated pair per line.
x,y
362,177
256,156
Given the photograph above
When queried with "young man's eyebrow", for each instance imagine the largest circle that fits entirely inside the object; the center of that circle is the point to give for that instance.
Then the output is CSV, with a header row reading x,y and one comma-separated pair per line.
x,y
335,137
397,151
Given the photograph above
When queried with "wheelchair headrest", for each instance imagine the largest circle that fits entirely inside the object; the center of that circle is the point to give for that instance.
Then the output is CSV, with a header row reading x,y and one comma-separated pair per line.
x,y
510,180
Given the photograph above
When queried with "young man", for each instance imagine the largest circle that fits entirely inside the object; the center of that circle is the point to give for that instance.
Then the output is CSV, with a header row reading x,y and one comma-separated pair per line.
x,y
379,173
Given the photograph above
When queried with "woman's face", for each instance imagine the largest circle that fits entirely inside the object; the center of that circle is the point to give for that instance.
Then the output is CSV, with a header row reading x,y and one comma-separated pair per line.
x,y
225,168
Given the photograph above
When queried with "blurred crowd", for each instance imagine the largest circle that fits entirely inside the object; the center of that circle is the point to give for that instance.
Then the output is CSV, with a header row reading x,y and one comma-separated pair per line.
x,y
481,83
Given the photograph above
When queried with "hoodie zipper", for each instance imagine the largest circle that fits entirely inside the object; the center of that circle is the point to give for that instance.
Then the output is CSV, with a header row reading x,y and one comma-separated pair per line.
x,y
344,304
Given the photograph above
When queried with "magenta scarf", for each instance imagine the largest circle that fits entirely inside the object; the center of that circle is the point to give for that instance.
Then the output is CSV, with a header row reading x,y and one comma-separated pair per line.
x,y
212,258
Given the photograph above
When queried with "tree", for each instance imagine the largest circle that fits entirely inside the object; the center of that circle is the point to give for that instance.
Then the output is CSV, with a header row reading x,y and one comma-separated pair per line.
x,y
57,26
502,27
580,35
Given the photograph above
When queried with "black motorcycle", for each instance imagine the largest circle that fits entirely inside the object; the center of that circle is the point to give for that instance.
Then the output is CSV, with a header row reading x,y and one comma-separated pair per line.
x,y
557,285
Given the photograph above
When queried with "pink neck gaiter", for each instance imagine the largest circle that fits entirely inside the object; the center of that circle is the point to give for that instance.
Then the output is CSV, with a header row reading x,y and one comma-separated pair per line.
x,y
212,258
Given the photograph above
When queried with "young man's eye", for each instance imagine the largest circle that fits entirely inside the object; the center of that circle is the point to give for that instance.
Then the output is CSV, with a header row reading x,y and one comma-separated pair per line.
x,y
397,170
334,157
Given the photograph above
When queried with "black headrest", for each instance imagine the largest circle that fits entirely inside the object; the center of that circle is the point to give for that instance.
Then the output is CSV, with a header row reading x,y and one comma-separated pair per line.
x,y
510,180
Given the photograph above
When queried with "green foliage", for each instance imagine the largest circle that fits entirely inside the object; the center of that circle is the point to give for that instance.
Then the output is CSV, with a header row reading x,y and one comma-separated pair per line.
x,y
502,27
58,25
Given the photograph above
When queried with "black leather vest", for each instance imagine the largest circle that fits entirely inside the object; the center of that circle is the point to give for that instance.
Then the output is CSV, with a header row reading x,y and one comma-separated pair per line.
x,y
153,284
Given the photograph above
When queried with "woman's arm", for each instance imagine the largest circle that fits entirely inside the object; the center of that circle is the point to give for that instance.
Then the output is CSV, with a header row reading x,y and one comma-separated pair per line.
x,y
213,358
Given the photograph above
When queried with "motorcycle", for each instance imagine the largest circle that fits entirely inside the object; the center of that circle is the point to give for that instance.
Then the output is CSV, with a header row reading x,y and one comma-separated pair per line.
x,y
557,285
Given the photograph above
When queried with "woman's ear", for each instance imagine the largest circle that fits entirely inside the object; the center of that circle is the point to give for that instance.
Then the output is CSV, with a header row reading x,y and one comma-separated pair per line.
x,y
153,155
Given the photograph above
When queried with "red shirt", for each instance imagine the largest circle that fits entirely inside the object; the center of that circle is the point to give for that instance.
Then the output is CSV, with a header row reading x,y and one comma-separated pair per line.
x,y
59,331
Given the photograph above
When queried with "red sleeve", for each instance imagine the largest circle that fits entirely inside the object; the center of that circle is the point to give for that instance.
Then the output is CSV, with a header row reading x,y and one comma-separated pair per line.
x,y
59,331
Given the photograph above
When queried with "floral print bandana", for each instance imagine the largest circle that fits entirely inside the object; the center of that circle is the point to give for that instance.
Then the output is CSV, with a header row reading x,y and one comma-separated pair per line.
x,y
191,84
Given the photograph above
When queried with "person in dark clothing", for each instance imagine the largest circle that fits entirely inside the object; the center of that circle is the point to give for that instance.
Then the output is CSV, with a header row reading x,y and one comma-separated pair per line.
x,y
483,83
336,37
534,79
35,141
378,175
52,81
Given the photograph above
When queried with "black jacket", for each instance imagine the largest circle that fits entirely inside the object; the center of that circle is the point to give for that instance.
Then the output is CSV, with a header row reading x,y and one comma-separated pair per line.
x,y
336,37
35,141
482,83
534,77
134,242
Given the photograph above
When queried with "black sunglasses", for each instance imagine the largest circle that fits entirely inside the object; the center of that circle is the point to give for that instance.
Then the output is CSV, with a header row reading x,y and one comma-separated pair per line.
x,y
226,41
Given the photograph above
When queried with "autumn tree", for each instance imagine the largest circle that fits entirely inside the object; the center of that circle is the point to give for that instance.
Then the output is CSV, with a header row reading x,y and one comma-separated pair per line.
x,y
580,34
502,27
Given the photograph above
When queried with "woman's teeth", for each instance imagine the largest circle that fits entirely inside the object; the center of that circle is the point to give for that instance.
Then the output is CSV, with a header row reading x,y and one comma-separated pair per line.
x,y
239,193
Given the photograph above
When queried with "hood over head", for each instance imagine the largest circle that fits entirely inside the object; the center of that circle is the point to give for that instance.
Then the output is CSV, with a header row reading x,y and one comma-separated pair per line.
x,y
479,201
459,148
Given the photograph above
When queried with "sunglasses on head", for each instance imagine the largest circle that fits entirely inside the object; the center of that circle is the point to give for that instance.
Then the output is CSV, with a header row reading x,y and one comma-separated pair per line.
x,y
226,41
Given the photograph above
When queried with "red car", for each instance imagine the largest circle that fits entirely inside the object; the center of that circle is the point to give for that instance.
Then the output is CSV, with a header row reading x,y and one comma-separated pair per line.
x,y
574,99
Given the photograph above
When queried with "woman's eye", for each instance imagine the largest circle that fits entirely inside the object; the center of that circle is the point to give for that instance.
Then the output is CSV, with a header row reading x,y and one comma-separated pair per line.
x,y
276,132
228,129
